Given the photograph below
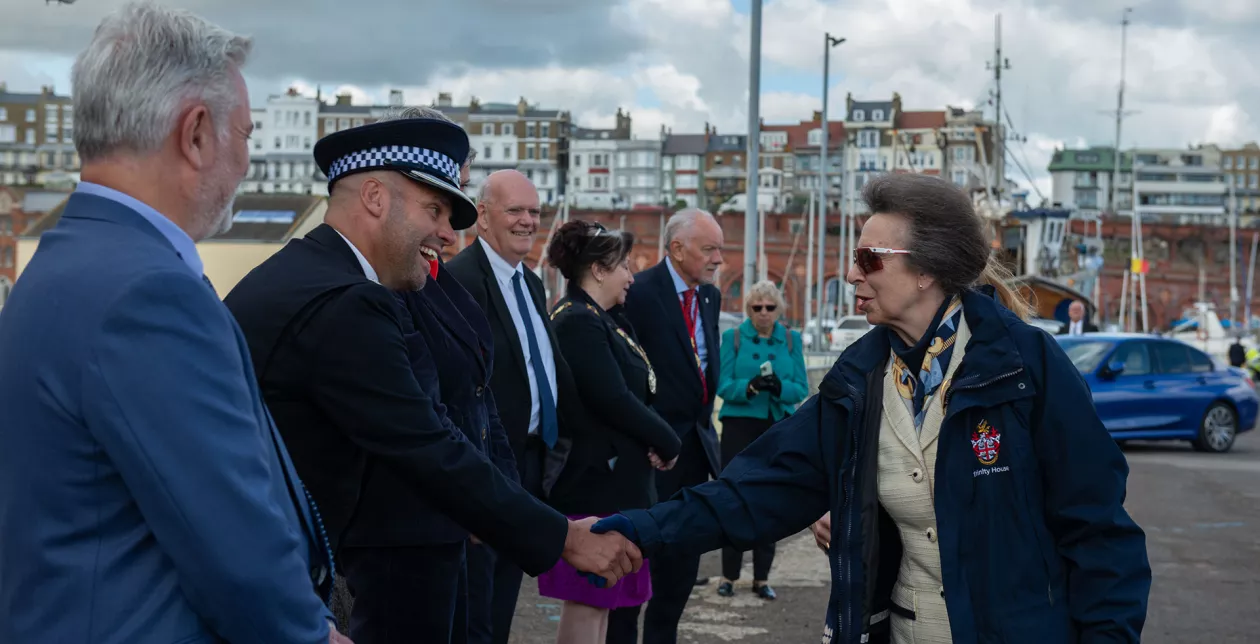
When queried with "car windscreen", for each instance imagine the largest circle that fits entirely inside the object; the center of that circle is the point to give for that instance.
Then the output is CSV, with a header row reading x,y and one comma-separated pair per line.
x,y
1085,354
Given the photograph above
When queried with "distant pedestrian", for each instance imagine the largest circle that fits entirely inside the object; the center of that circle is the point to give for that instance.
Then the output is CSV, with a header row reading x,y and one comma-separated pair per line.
x,y
762,379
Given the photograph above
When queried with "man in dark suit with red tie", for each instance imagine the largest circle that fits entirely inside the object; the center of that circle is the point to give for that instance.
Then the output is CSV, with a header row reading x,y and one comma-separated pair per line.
x,y
674,308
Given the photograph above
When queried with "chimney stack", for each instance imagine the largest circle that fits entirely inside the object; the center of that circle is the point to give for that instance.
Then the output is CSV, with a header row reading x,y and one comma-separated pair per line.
x,y
343,99
395,98
444,99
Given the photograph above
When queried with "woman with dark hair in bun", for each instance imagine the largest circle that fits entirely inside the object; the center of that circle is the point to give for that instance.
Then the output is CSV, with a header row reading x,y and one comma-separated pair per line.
x,y
611,466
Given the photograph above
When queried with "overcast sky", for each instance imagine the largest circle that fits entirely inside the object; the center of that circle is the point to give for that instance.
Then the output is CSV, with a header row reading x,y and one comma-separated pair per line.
x,y
1193,72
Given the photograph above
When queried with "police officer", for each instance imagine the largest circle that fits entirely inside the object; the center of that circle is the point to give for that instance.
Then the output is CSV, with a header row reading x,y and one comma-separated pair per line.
x,y
337,362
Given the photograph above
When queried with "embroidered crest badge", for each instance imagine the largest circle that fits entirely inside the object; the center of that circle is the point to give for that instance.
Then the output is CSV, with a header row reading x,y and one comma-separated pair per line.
x,y
986,442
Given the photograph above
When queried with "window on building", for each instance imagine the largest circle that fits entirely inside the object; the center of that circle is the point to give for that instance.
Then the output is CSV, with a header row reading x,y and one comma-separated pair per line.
x,y
623,181
487,129
868,139
544,151
544,177
306,143
7,257
30,116
622,160
30,136
577,160
1255,163
529,130
4,114
529,152
358,122
507,152
859,115
277,143
959,177
1255,181
1228,163
8,134
486,153
577,182
508,129
306,119
667,163
877,115
546,130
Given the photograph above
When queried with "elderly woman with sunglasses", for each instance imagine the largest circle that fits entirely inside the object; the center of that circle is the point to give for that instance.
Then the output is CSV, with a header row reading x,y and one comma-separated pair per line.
x,y
760,383
973,495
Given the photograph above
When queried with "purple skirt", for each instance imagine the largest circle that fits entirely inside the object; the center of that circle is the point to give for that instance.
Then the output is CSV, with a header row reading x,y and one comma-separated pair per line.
x,y
565,583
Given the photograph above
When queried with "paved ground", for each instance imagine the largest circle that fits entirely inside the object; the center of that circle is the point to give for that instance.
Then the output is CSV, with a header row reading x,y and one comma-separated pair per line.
x,y
1201,514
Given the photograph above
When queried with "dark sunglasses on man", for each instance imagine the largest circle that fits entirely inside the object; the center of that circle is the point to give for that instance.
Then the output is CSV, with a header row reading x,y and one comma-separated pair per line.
x,y
870,259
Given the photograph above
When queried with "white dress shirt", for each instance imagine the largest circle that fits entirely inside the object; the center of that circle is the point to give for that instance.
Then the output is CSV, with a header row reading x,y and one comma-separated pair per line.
x,y
1076,328
702,347
503,272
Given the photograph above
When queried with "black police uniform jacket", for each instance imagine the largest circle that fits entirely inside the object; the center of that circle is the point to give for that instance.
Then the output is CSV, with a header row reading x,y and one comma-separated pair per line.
x,y
331,359
609,469
448,342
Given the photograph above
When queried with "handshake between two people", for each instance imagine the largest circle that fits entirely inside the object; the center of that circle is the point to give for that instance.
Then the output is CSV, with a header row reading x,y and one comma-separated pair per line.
x,y
603,550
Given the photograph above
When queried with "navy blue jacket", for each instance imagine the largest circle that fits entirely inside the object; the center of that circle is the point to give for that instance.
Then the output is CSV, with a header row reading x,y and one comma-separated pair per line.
x,y
442,325
1036,547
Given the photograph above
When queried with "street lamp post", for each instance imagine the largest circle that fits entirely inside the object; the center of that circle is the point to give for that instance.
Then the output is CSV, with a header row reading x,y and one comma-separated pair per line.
x,y
751,216
828,43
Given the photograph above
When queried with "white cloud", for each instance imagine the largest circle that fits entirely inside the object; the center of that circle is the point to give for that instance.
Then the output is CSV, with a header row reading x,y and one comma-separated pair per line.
x,y
1193,67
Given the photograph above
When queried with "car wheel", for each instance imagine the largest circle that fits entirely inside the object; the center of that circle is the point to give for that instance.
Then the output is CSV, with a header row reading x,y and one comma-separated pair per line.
x,y
1218,429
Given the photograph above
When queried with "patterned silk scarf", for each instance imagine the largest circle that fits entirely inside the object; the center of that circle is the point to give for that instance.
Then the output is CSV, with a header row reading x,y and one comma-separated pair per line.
x,y
917,388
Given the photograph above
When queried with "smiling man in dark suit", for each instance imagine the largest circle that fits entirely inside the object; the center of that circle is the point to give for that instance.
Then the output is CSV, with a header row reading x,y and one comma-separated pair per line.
x,y
674,307
329,343
532,384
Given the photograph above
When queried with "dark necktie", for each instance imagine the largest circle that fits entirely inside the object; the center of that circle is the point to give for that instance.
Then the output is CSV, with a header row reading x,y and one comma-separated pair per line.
x,y
689,316
547,426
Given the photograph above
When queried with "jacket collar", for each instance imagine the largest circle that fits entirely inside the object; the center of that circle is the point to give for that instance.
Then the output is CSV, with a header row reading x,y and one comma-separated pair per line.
x,y
329,238
779,334
991,352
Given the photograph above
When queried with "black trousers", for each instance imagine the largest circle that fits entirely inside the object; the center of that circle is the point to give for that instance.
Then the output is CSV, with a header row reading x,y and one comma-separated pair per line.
x,y
738,433
407,594
673,574
480,596
507,576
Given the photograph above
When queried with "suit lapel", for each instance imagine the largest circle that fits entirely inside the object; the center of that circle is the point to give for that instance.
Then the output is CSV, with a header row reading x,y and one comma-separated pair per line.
x,y
540,302
708,326
673,313
448,315
495,295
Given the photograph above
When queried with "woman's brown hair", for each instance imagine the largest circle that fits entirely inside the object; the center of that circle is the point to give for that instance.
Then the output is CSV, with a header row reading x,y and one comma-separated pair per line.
x,y
947,238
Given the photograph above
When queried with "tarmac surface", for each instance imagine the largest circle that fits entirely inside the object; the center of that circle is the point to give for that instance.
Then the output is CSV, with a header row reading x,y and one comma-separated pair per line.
x,y
1201,514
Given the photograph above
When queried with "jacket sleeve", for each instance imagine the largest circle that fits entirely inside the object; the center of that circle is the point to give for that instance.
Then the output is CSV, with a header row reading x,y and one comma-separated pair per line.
x,y
796,384
1109,575
171,405
363,381
500,449
773,489
584,338
730,388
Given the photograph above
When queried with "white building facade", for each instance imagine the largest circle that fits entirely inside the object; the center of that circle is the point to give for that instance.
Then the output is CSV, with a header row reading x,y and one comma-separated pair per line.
x,y
281,154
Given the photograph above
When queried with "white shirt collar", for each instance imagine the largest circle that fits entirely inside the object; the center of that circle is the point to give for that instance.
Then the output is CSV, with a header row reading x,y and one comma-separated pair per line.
x,y
503,271
679,284
368,271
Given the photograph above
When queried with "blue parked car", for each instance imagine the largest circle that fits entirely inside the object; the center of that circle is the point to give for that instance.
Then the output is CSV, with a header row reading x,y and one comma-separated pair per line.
x,y
1152,388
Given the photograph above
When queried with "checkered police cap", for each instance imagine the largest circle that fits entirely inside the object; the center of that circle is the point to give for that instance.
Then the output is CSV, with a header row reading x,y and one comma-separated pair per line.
x,y
428,151
392,156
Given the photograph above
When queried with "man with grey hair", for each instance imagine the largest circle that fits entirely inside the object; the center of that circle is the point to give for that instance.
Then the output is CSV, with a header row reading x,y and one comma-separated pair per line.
x,y
674,307
147,496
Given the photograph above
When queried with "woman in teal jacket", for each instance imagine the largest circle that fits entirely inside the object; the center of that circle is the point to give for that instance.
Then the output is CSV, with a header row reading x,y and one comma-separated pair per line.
x,y
762,379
